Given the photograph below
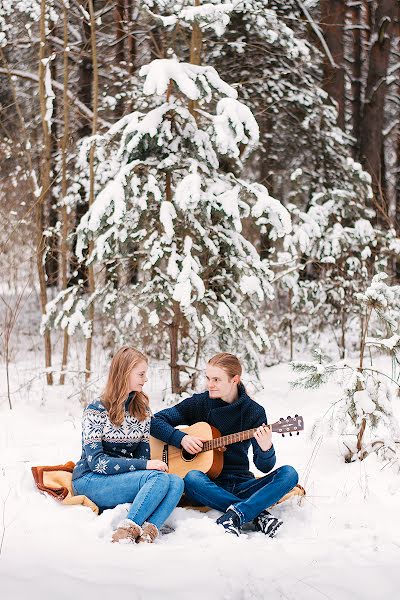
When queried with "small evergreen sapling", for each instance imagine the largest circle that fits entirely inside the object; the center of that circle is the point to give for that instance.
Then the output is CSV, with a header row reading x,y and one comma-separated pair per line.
x,y
364,408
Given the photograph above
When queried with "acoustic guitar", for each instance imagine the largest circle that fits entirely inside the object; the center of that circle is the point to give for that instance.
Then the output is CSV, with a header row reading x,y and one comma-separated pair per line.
x,y
211,460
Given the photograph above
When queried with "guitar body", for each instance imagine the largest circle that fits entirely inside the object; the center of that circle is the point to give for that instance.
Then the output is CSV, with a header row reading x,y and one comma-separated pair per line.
x,y
211,458
181,462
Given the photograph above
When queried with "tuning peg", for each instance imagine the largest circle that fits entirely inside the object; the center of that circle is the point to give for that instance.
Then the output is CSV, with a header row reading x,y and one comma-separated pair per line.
x,y
290,434
298,433
283,435
289,417
295,416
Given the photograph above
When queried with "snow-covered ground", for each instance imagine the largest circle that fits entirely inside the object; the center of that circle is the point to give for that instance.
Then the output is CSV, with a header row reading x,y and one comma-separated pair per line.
x,y
342,541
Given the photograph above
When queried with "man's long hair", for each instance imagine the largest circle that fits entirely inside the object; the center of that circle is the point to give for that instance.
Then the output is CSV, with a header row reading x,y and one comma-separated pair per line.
x,y
116,391
228,362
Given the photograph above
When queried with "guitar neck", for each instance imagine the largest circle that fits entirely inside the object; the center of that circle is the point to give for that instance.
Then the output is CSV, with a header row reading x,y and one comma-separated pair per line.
x,y
289,425
226,440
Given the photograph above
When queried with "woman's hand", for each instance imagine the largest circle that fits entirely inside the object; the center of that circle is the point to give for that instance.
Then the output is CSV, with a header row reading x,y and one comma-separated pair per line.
x,y
157,465
192,444
263,435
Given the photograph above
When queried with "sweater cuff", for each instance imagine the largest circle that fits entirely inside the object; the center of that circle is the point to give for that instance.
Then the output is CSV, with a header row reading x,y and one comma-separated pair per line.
x,y
268,453
140,464
176,438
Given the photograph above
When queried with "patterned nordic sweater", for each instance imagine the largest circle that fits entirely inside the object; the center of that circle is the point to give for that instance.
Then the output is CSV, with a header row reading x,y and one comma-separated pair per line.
x,y
242,414
108,449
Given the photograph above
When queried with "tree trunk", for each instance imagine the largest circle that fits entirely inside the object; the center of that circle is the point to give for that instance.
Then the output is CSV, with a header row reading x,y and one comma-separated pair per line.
x,y
196,41
356,25
174,349
195,54
333,14
291,345
343,337
51,212
44,189
64,213
91,289
195,57
120,19
397,208
371,139
84,87
131,56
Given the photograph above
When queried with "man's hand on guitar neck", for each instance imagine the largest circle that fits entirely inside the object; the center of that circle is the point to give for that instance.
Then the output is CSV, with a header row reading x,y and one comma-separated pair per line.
x,y
192,444
263,435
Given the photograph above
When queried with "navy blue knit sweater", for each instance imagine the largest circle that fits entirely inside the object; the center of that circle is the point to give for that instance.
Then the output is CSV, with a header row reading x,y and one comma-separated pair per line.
x,y
242,414
109,449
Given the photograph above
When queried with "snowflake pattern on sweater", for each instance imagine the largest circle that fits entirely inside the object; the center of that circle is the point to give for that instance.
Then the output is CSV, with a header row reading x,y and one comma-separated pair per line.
x,y
108,449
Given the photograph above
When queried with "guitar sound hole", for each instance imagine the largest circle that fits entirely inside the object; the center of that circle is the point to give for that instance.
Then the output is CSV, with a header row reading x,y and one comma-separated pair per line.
x,y
187,457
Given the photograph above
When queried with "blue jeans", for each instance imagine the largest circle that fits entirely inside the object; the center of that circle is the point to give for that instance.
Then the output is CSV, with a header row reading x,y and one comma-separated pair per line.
x,y
153,494
249,495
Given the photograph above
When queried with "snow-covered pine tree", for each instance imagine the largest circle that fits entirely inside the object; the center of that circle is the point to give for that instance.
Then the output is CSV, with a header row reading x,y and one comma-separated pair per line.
x,y
341,246
363,414
176,215
305,159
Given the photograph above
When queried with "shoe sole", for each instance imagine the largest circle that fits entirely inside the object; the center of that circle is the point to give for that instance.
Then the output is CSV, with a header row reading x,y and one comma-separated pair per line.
x,y
273,528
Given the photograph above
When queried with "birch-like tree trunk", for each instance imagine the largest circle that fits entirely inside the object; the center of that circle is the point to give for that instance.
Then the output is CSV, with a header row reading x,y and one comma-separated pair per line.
x,y
84,91
51,213
64,250
95,98
44,187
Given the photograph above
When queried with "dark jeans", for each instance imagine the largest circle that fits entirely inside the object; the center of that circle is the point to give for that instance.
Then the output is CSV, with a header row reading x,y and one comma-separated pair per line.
x,y
249,495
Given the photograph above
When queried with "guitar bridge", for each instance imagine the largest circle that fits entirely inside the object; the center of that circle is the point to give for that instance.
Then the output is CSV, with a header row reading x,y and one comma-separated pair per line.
x,y
165,454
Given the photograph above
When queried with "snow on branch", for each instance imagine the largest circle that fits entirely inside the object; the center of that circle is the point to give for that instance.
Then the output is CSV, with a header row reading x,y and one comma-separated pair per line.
x,y
110,203
383,299
208,16
275,212
391,344
50,95
59,87
234,124
188,191
188,278
192,80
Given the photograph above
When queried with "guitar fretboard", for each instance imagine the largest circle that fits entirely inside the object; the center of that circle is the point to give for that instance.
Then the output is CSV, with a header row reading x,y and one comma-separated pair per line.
x,y
228,439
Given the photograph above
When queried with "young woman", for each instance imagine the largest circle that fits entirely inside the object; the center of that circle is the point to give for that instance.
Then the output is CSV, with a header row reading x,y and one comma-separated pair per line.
x,y
115,466
236,493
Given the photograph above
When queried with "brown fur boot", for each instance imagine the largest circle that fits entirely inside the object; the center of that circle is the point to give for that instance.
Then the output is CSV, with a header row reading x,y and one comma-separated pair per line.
x,y
149,534
127,533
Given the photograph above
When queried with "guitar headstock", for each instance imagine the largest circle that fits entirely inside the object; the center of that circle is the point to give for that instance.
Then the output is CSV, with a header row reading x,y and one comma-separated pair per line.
x,y
289,425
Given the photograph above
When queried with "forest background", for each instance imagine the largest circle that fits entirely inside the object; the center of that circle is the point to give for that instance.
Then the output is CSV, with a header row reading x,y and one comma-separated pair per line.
x,y
190,177
200,177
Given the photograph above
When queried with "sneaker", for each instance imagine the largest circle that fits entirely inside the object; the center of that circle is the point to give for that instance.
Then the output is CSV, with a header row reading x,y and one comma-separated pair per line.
x,y
267,523
230,521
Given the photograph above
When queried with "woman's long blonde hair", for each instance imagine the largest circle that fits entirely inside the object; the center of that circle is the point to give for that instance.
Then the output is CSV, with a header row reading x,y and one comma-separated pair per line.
x,y
116,391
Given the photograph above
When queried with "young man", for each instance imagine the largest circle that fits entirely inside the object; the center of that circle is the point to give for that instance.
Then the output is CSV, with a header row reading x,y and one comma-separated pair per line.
x,y
236,492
